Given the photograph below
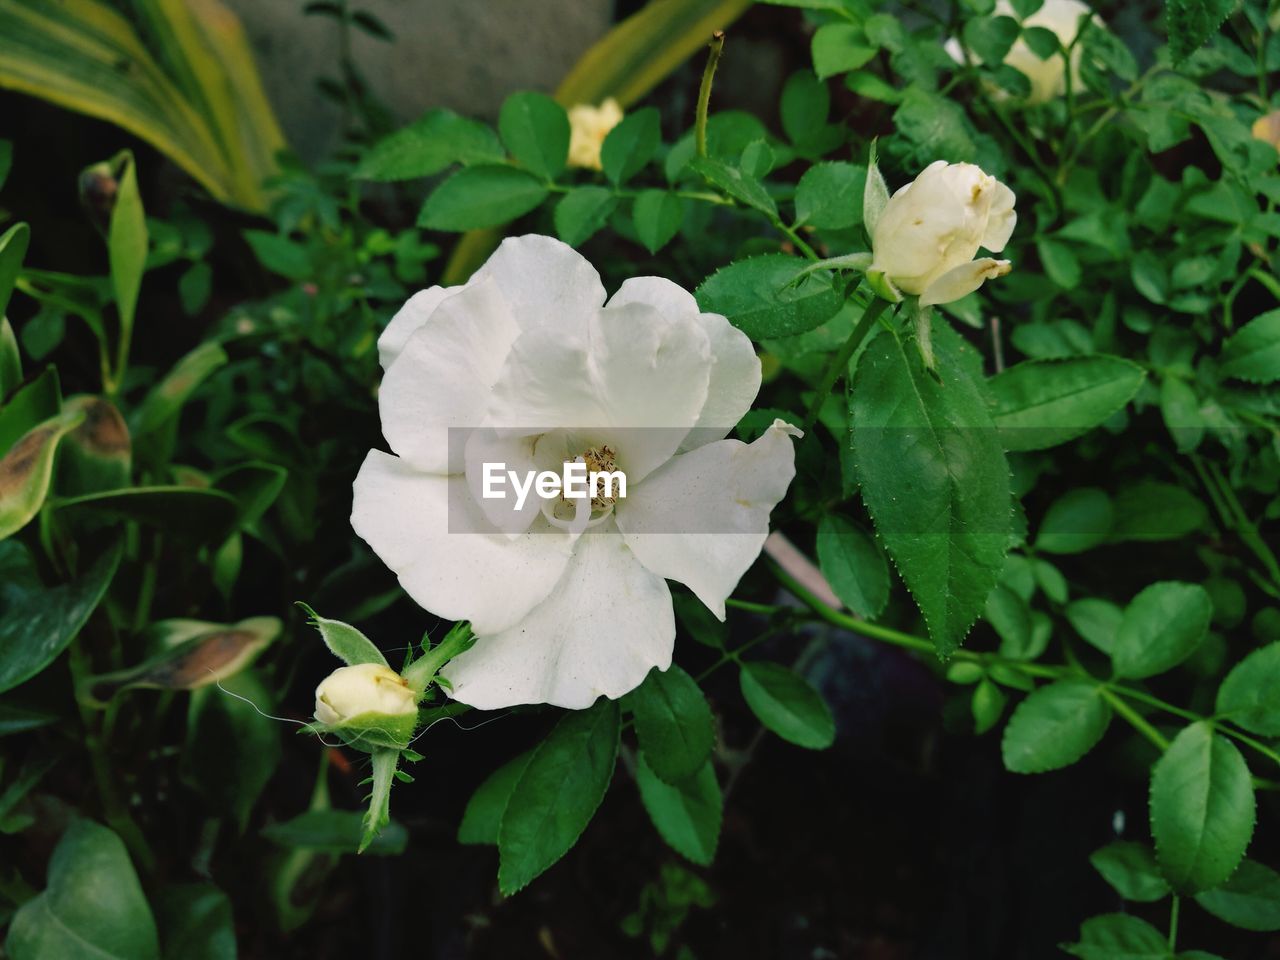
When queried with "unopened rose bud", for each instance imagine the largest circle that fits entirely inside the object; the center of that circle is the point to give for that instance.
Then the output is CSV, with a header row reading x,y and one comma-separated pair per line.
x,y
352,693
925,238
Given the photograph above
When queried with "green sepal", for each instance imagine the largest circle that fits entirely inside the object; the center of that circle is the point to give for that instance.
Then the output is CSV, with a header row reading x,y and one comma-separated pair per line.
x,y
883,286
370,731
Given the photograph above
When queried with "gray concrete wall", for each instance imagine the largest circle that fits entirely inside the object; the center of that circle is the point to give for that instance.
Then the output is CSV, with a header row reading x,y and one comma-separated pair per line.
x,y
463,54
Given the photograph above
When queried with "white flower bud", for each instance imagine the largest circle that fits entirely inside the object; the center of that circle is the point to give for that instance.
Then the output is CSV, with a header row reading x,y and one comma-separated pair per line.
x,y
925,238
365,688
588,126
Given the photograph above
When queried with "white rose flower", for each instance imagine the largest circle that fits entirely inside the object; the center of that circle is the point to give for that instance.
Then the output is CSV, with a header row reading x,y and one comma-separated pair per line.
x,y
588,126
1048,77
924,240
568,600
365,688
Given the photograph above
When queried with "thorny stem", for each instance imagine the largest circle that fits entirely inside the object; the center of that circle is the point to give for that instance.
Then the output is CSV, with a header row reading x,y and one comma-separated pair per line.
x,y
704,92
840,362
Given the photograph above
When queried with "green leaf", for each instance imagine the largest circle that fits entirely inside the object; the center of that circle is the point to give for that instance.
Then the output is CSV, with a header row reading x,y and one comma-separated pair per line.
x,y
1054,727
1180,408
1097,621
1250,695
1042,403
127,243
98,454
1060,262
485,195
536,130
787,704
10,360
991,37
557,794
805,105
829,196
1192,22
1161,627
435,141
1253,352
854,566
196,922
760,297
30,405
166,399
1077,521
1118,936
1153,511
1010,617
934,477
1132,871
232,745
344,641
687,814
657,216
673,723
13,247
741,186
631,144
193,513
37,622
6,164
1250,899
279,254
987,705
1202,809
483,815
93,905
839,48
336,831
582,211
27,469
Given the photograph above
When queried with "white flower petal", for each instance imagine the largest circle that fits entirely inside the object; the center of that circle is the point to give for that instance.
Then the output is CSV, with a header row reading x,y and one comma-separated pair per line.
x,y
735,371
963,280
605,626
544,281
408,320
703,517
505,453
406,517
443,377
1001,220
627,367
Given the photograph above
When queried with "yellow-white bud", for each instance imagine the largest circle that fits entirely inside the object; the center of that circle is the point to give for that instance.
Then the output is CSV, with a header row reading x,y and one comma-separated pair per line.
x,y
588,126
365,688
924,239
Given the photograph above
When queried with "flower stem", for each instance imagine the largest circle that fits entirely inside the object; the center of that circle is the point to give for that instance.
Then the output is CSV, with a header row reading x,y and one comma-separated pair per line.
x,y
704,92
1135,719
422,671
840,362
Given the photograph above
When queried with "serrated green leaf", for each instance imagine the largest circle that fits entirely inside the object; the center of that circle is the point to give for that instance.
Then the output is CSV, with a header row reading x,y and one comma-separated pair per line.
x,y
1153,511
483,815
1118,936
1077,521
1132,871
583,211
1192,22
1096,620
839,48
760,297
854,566
1054,727
1253,352
483,195
557,794
1161,627
1250,695
657,216
536,130
1202,809
686,814
630,145
934,477
787,704
1250,899
673,724
1042,403
737,184
829,195
428,145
